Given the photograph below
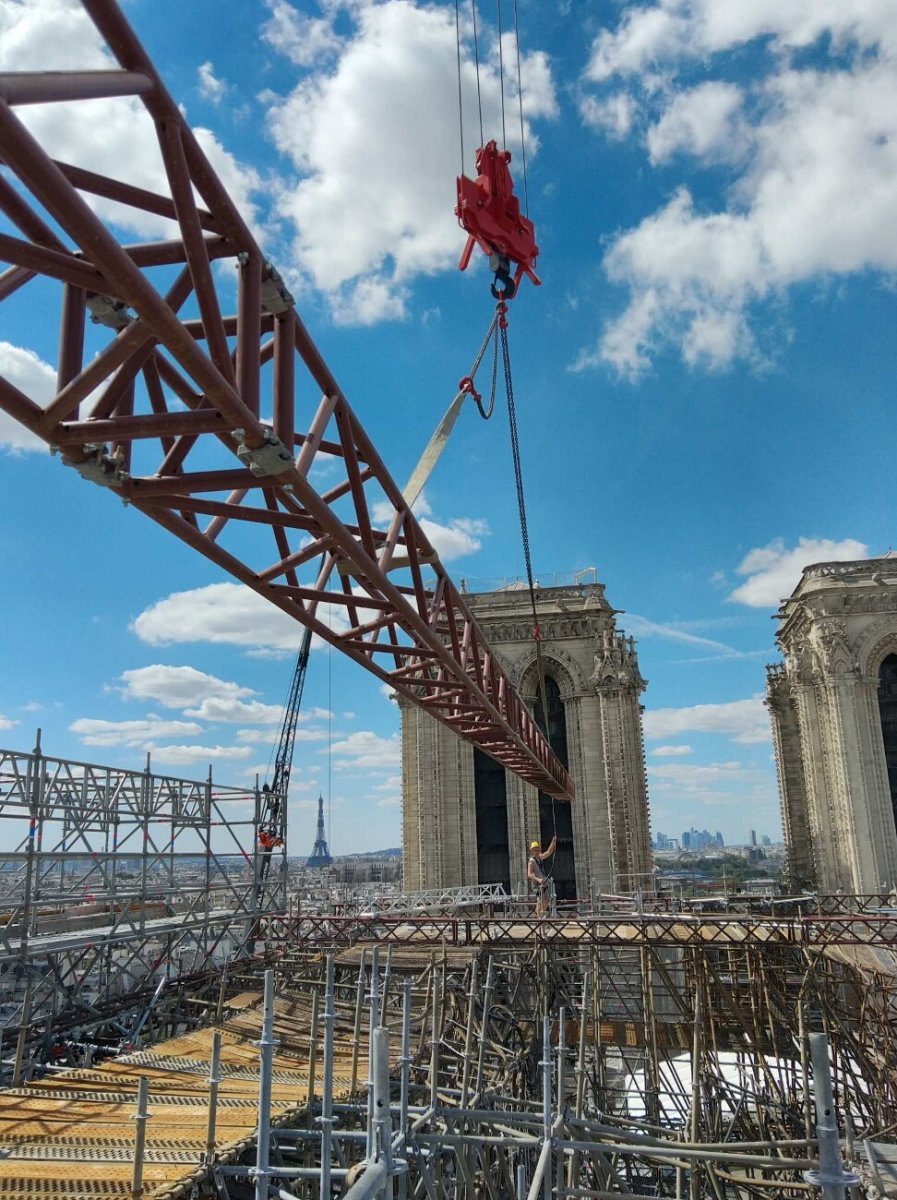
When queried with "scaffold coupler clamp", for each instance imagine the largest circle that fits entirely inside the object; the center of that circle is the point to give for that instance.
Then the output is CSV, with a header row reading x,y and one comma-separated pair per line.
x,y
108,311
97,466
834,1178
271,458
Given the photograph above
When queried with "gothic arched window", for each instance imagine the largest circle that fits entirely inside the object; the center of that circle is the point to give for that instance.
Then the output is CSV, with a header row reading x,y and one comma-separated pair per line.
x,y
557,814
887,709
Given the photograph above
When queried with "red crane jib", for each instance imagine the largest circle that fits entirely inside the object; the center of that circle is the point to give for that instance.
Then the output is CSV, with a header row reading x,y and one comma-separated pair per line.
x,y
164,407
490,213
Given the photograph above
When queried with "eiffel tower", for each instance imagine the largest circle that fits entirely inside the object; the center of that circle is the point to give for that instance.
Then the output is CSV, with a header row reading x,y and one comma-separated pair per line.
x,y
320,855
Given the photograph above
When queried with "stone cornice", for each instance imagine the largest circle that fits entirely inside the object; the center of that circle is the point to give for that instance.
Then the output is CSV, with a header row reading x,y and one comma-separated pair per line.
x,y
841,587
551,628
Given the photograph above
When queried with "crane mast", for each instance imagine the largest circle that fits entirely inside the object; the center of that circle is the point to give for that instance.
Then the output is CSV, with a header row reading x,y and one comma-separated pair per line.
x,y
274,810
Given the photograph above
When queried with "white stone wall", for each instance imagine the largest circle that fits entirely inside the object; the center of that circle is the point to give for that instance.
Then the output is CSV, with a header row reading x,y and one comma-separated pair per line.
x,y
596,669
837,628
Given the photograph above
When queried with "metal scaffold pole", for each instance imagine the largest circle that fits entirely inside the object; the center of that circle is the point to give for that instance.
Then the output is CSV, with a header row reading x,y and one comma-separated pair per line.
x,y
830,1176
326,1118
266,1046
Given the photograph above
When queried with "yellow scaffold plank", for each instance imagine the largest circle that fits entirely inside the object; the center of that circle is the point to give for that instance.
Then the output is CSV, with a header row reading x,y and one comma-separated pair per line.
x,y
72,1135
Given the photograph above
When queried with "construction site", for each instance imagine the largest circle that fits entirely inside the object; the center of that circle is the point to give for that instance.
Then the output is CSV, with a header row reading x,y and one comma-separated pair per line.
x,y
172,1039
181,1021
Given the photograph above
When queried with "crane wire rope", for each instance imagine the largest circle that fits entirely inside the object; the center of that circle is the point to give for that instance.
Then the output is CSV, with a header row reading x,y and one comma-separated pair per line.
x,y
460,94
520,106
499,328
524,532
476,53
501,79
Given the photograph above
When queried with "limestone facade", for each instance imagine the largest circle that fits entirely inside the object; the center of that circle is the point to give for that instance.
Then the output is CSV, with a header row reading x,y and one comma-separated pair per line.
x,y
833,703
466,820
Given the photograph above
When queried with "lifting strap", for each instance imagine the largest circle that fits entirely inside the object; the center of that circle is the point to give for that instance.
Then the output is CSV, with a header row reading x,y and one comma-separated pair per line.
x,y
438,442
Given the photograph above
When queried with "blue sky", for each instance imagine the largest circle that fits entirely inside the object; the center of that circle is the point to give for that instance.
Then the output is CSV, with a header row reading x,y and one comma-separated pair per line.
x,y
704,379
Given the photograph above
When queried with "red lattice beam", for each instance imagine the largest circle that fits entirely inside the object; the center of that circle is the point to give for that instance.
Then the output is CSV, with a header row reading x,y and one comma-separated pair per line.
x,y
169,413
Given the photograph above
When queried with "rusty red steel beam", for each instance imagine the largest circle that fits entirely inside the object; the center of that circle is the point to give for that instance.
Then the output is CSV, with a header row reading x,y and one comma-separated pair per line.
x,y
797,934
168,414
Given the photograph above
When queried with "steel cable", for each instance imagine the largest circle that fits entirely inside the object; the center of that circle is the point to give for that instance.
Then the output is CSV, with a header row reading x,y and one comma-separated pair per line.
x,y
524,533
520,105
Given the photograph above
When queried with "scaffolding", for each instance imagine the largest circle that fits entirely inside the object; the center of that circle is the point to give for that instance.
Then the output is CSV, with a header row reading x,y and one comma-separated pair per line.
x,y
120,893
507,1064
527,1067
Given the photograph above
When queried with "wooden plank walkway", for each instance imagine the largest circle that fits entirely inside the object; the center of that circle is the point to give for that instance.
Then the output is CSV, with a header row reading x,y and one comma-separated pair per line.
x,y
72,1135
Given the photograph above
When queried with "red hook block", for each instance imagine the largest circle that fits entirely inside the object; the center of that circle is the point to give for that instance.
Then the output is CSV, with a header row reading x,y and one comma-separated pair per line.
x,y
490,213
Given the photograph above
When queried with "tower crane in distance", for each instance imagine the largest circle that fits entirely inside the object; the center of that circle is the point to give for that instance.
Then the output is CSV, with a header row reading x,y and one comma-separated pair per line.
x,y
272,824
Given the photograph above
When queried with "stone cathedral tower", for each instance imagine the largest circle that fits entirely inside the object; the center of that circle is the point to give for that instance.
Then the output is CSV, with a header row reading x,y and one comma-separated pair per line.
x,y
834,717
466,820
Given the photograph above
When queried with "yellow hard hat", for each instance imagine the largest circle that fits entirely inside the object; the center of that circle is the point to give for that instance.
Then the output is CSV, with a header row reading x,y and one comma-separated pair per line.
x,y
534,845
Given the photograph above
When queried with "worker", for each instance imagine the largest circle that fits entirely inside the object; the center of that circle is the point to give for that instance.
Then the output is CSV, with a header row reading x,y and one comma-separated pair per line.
x,y
535,873
269,841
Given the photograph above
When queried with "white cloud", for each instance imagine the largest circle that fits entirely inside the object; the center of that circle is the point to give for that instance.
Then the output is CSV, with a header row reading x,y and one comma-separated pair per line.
x,y
37,379
112,137
366,749
187,755
812,148
222,613
450,539
613,116
670,751
140,734
744,721
303,39
177,687
232,712
303,805
678,31
395,75
391,788
241,182
774,571
6,723
210,86
457,538
266,736
687,777
229,614
714,785
641,627
202,696
705,121
47,35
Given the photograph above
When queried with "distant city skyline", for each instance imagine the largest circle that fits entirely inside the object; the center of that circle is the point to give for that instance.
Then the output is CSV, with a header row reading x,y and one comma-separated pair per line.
x,y
699,839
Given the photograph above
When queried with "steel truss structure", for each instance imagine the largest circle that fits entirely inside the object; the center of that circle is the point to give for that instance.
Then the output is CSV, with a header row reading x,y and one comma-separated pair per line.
x,y
123,892
633,929
191,415
476,896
